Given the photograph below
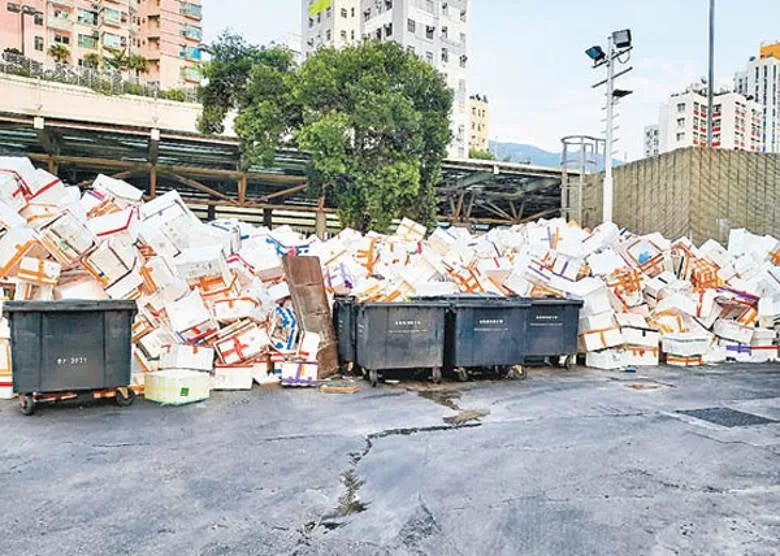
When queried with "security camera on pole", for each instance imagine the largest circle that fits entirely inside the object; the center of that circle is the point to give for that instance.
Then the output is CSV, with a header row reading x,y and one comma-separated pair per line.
x,y
618,51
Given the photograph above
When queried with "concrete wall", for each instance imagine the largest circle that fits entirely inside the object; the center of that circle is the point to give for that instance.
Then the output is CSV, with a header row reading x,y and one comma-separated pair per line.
x,y
694,192
56,100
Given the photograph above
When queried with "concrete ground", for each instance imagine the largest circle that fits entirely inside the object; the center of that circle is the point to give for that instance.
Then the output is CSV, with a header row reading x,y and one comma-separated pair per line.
x,y
579,462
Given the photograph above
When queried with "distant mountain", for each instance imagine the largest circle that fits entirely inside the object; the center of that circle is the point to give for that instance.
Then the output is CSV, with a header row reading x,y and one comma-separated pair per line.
x,y
529,154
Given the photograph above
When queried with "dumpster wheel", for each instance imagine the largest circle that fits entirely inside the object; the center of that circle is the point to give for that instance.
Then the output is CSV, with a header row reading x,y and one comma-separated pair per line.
x,y
436,378
570,361
516,372
373,376
26,404
463,374
124,397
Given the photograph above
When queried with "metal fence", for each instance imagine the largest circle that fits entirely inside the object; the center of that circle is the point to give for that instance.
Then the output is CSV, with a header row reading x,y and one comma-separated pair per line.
x,y
106,81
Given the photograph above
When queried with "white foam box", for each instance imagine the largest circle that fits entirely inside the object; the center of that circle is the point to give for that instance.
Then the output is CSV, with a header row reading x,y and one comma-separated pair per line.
x,y
602,339
742,353
6,371
299,373
178,356
677,302
600,321
608,359
235,308
734,331
764,346
177,386
233,377
641,356
686,344
241,342
685,361
596,302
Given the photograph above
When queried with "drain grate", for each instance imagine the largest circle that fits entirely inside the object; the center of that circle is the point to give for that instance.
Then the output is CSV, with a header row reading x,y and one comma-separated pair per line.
x,y
727,417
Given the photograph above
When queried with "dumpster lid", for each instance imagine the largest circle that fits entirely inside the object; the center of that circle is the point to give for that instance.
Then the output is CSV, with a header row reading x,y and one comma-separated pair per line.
x,y
416,304
69,305
556,301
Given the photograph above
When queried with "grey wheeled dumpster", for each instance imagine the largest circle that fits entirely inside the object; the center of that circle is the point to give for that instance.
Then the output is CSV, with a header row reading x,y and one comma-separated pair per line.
x,y
401,336
344,322
69,346
486,334
551,329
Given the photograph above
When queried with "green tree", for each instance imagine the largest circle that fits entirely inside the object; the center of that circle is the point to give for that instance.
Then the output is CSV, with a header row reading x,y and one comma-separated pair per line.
x,y
373,118
121,60
60,53
481,155
92,60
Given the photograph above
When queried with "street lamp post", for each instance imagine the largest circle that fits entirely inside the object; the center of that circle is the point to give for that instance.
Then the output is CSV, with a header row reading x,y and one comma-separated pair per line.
x,y
618,45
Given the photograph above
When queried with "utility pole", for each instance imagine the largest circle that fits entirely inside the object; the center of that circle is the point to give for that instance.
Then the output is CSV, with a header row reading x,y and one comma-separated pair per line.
x,y
711,76
610,134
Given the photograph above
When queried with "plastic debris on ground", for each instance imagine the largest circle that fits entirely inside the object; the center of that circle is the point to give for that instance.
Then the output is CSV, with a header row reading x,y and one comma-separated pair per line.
x,y
213,297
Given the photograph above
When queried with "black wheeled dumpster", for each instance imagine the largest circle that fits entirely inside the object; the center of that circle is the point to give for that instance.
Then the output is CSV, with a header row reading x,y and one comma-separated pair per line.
x,y
344,322
551,329
486,334
401,336
63,347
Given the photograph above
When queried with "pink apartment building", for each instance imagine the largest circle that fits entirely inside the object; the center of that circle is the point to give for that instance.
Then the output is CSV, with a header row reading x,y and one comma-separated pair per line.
x,y
166,32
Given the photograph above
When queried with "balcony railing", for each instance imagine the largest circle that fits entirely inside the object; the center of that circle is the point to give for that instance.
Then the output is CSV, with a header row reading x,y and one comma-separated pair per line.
x,y
193,11
105,81
60,23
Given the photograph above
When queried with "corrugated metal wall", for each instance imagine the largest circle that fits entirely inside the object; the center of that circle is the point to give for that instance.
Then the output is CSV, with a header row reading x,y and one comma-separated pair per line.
x,y
699,193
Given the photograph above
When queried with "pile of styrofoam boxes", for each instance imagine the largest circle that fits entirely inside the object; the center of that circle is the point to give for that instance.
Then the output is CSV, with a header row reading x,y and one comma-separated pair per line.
x,y
637,290
212,298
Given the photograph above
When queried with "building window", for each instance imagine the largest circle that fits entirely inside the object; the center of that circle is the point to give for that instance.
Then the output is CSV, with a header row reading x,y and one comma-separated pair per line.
x,y
62,39
328,13
410,49
681,136
444,32
352,34
463,38
444,8
680,122
463,60
87,17
445,55
411,26
353,12
86,41
429,57
38,19
344,12
681,107
344,35
327,35
39,43
429,32
311,22
389,30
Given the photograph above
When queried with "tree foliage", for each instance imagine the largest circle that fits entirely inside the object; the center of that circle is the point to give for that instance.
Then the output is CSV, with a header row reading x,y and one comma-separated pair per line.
x,y
92,60
121,60
59,53
481,155
373,118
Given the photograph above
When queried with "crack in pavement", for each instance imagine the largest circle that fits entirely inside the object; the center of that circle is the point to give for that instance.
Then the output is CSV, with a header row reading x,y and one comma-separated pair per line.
x,y
349,502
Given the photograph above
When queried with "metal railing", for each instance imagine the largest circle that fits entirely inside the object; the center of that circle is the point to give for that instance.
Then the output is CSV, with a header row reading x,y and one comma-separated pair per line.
x,y
106,81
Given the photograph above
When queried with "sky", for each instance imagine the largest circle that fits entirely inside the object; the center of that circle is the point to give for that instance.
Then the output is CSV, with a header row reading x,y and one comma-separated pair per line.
x,y
528,56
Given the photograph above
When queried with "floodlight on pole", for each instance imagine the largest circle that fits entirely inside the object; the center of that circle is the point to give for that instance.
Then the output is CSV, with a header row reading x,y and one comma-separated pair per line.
x,y
596,53
622,39
619,46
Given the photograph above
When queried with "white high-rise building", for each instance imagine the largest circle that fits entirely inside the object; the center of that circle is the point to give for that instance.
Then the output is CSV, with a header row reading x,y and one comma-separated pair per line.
x,y
334,23
652,141
736,121
761,81
437,32
434,30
